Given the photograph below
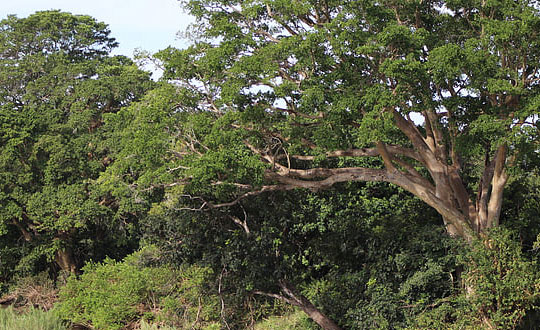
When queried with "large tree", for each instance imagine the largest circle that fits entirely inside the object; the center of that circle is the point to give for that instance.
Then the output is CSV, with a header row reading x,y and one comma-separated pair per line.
x,y
56,82
437,97
443,93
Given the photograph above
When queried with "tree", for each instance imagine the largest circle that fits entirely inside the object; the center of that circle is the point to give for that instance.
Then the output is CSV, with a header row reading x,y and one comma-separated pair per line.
x,y
440,97
443,93
56,82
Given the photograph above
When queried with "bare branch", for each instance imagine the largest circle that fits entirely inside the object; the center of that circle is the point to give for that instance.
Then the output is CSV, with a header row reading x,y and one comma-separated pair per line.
x,y
239,185
178,168
277,296
241,223
252,193
221,299
267,35
165,185
296,113
179,155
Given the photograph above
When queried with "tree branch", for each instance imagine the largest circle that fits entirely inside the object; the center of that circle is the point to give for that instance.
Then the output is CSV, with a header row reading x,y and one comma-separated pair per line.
x,y
365,152
497,187
277,296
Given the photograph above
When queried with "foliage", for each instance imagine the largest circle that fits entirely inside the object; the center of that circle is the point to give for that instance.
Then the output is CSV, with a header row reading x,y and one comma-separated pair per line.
x,y
504,284
501,286
148,326
31,319
110,295
522,206
57,80
439,99
443,93
398,279
359,253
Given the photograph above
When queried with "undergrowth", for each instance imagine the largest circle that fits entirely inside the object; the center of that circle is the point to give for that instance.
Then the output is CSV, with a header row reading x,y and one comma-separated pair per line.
x,y
34,319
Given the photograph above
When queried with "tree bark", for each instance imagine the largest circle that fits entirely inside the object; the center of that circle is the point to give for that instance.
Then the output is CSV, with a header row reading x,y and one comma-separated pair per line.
x,y
64,259
26,234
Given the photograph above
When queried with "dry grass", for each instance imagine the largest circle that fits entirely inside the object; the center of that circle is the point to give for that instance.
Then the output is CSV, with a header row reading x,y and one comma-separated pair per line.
x,y
37,291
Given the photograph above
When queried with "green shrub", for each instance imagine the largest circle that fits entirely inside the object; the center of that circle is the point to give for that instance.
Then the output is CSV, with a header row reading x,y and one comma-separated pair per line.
x,y
152,326
34,319
111,295
500,287
503,284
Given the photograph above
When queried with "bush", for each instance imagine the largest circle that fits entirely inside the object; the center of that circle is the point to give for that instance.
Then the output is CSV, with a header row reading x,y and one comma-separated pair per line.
x,y
503,284
500,287
111,295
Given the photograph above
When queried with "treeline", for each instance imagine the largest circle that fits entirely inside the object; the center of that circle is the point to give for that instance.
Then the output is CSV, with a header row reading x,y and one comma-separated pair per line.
x,y
277,176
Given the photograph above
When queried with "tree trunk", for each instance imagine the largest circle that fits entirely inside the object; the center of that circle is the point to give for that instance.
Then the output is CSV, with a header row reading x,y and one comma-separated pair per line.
x,y
26,234
64,259
300,301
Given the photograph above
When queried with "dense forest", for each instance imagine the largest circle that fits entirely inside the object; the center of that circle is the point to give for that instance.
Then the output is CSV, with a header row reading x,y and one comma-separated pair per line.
x,y
303,164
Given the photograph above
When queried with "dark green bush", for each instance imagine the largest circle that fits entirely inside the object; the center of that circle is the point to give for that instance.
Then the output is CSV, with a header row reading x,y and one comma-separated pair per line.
x,y
503,285
500,285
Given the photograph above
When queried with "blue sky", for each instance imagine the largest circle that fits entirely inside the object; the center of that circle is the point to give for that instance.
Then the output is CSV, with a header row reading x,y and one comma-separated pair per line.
x,y
146,24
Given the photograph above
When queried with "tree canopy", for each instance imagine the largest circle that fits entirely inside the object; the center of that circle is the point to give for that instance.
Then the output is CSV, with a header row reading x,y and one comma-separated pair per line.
x,y
290,94
56,82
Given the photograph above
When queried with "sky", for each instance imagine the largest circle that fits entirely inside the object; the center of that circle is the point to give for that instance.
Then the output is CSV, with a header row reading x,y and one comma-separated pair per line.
x,y
149,25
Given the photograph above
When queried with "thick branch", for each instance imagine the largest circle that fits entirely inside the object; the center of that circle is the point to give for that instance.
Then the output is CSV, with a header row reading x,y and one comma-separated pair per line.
x,y
313,312
416,139
483,191
462,196
333,176
432,122
497,187
387,159
364,152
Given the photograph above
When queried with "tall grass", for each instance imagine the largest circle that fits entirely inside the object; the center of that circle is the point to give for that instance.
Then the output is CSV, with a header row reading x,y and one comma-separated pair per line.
x,y
294,321
33,319
147,326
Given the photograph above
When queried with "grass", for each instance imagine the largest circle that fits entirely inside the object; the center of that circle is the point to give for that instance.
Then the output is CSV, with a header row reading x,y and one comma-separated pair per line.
x,y
34,319
37,319
294,321
147,326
